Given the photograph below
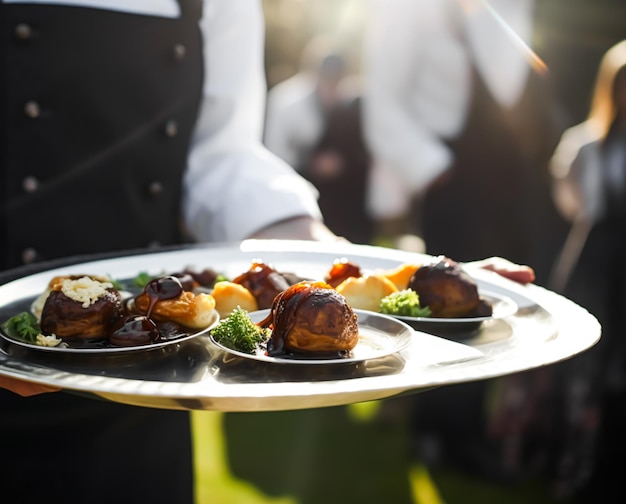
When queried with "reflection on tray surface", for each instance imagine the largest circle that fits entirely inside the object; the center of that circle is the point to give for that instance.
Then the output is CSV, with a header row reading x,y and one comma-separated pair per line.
x,y
236,370
185,362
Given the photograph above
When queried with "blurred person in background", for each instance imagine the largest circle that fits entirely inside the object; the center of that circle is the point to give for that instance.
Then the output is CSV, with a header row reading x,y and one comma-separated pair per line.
x,y
121,121
589,173
338,167
297,108
313,121
461,126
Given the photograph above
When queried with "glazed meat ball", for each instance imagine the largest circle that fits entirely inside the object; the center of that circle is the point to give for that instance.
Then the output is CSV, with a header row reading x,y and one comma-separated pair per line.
x,y
448,290
311,318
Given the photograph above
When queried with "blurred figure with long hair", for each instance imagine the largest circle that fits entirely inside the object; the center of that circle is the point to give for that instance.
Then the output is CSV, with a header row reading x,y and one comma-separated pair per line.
x,y
589,173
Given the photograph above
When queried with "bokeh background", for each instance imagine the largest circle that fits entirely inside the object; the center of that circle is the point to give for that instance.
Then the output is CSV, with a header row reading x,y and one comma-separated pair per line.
x,y
363,453
571,36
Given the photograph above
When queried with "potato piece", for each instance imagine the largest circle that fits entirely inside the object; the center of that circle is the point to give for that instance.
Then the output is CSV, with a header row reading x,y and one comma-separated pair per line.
x,y
366,292
229,295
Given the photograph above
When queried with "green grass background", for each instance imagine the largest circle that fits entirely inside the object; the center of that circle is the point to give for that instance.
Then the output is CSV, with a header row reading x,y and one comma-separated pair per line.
x,y
339,455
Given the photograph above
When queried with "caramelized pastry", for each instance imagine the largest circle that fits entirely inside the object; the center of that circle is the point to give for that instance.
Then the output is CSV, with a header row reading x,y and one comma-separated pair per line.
x,y
164,299
313,319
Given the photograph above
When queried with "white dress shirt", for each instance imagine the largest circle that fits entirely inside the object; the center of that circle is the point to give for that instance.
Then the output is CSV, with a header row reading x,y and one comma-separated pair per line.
x,y
418,62
233,186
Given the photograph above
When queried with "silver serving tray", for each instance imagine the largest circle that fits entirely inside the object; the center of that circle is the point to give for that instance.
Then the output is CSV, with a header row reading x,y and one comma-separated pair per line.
x,y
196,374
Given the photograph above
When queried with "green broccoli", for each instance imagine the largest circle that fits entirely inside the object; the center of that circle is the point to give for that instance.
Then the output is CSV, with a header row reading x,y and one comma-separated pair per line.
x,y
405,303
238,332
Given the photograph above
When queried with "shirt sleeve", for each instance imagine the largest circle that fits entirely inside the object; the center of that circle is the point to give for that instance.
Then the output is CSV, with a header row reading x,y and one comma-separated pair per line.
x,y
407,89
233,185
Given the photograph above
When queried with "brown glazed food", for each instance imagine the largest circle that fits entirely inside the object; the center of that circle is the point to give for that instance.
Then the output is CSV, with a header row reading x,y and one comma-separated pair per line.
x,y
341,270
165,299
67,318
311,319
263,282
448,290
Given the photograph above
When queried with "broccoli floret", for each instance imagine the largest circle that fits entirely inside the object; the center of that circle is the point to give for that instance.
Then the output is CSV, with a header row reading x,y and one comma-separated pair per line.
x,y
405,303
237,331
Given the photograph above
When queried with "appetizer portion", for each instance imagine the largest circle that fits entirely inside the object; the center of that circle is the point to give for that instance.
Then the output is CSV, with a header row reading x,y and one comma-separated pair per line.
x,y
311,318
448,291
79,307
437,289
165,299
87,311
308,320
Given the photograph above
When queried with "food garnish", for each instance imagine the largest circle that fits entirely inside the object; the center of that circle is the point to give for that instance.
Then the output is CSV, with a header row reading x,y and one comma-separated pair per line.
x,y
405,303
142,279
23,326
238,332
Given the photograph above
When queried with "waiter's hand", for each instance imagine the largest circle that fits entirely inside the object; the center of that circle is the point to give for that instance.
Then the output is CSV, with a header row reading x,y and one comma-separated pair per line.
x,y
298,228
517,272
24,388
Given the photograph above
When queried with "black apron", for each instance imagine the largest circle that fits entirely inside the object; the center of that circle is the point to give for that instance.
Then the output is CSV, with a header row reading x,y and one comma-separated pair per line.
x,y
98,108
97,114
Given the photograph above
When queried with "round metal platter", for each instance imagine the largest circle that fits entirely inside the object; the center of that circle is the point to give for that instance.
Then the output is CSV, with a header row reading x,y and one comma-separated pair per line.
x,y
197,374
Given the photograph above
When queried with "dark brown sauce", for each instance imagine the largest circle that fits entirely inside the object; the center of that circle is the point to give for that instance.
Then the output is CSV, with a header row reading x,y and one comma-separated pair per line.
x,y
134,329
